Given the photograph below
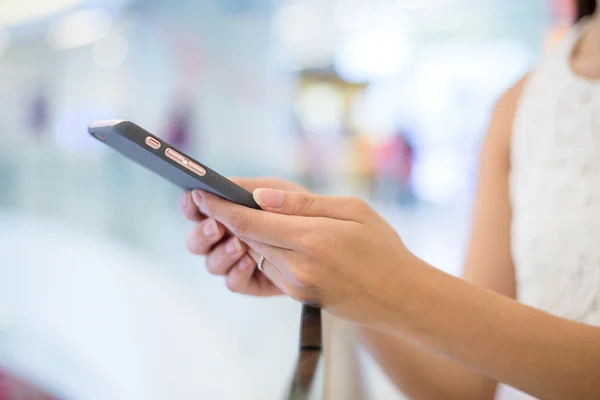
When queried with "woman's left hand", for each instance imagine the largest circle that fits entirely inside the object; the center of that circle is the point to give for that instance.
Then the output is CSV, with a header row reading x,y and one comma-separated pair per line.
x,y
335,252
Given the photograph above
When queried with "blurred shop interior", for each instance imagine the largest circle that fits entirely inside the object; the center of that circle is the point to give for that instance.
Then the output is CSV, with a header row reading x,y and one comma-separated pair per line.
x,y
383,99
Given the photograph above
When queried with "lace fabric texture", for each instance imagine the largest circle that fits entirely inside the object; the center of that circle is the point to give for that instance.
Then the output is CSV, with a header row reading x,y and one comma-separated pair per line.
x,y
555,190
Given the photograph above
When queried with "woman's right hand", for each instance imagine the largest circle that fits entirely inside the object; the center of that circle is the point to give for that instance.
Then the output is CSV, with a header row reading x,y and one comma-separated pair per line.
x,y
225,254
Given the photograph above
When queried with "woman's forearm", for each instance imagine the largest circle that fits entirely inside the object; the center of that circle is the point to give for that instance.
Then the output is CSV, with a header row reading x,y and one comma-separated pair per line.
x,y
422,374
546,356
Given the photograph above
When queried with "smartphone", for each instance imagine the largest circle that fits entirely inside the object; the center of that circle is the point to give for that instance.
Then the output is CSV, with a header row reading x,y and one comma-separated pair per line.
x,y
159,156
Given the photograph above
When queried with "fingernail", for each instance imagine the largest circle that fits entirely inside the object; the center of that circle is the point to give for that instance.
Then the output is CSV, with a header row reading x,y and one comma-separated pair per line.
x,y
233,247
269,198
210,228
197,197
245,263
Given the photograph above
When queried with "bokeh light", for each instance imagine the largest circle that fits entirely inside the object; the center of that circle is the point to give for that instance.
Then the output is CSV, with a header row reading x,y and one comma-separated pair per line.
x,y
354,15
374,56
111,51
438,176
78,29
304,36
321,109
18,12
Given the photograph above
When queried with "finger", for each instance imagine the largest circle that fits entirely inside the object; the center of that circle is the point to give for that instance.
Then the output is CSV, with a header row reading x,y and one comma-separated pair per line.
x,y
269,271
251,184
224,256
189,208
250,281
274,229
276,259
311,205
204,236
295,286
239,278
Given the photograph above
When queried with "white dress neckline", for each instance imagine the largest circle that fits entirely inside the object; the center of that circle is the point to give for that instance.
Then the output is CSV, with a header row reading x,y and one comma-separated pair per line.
x,y
569,45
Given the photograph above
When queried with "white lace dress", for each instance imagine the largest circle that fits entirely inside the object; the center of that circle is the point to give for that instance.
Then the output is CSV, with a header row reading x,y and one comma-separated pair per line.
x,y
555,191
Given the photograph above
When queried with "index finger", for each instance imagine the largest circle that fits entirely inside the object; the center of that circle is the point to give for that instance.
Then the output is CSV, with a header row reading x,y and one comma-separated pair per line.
x,y
277,230
189,208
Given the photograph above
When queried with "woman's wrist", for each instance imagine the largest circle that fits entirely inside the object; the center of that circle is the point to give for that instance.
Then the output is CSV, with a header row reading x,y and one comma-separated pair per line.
x,y
397,297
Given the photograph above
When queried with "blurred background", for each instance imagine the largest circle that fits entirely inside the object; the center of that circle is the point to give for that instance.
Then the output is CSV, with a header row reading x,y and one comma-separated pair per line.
x,y
383,99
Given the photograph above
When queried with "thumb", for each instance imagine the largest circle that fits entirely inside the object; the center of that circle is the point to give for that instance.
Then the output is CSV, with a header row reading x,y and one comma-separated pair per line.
x,y
310,205
252,184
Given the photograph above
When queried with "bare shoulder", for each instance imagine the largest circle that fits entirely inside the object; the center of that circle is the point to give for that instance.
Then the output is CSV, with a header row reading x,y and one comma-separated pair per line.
x,y
512,95
500,129
507,103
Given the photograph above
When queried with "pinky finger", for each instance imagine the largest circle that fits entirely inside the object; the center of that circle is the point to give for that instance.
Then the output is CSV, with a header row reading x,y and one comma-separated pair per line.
x,y
240,276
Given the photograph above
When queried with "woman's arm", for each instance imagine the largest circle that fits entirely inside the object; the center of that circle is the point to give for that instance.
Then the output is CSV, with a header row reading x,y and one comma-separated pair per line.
x,y
546,356
420,373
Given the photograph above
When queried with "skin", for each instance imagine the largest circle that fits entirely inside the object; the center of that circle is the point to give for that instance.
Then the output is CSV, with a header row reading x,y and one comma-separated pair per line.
x,y
436,336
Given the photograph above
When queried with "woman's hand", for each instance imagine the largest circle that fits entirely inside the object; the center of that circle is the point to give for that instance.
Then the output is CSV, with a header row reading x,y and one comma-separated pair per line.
x,y
330,251
225,254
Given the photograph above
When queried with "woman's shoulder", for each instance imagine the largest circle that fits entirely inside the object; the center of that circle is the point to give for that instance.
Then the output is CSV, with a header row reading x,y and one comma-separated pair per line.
x,y
547,73
508,101
503,116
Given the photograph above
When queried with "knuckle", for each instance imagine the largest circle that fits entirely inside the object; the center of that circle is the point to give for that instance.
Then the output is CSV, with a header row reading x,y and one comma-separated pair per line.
x,y
360,206
232,285
183,203
306,242
305,280
303,276
194,245
298,293
208,207
240,223
304,203
212,265
313,243
321,246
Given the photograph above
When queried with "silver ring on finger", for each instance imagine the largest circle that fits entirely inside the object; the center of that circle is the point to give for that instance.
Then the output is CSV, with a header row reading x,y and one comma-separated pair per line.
x,y
260,264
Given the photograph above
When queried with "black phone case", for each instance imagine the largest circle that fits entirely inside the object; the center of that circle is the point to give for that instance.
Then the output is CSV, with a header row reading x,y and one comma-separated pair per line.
x,y
130,140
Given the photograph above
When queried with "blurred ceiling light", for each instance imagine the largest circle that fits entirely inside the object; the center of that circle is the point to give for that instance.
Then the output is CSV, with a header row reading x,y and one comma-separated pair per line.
x,y
111,51
17,12
377,55
78,29
4,40
352,15
321,109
